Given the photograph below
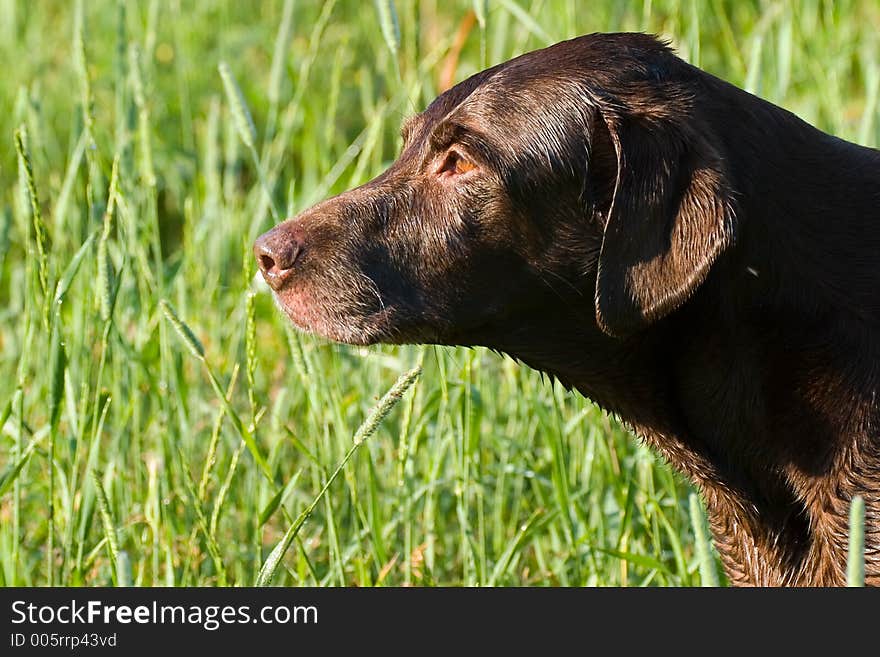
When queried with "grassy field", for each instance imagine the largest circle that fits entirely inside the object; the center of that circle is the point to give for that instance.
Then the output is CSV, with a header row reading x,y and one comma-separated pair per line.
x,y
134,452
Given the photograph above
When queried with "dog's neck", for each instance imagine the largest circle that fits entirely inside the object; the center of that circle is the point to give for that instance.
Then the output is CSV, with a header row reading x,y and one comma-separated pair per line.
x,y
773,471
761,389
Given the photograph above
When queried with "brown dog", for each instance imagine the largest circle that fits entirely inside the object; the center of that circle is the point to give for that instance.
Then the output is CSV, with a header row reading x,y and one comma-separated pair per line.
x,y
694,259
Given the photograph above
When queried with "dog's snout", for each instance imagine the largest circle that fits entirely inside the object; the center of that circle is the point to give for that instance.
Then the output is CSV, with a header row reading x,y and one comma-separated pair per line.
x,y
277,252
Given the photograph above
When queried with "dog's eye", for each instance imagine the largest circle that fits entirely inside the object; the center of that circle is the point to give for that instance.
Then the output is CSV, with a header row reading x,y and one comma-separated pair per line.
x,y
454,163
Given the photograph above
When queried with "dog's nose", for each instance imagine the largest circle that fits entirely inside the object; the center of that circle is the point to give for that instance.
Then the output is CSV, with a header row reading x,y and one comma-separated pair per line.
x,y
276,252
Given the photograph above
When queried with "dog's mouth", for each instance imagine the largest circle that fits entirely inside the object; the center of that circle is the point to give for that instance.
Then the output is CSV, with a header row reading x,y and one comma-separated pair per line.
x,y
350,323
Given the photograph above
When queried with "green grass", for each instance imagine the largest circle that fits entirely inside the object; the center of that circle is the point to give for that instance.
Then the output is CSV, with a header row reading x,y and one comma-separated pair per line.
x,y
161,422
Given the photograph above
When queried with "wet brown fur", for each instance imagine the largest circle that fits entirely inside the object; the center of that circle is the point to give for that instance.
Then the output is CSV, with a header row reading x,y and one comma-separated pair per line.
x,y
694,259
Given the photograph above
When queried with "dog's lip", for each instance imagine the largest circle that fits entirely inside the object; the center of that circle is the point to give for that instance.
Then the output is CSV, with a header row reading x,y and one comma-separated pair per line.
x,y
277,279
369,329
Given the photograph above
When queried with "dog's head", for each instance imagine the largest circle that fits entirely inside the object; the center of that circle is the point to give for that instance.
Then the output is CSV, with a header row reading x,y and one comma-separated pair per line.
x,y
577,176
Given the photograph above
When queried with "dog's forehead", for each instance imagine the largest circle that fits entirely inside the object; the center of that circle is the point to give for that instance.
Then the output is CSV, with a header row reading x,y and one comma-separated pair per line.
x,y
452,98
533,85
485,90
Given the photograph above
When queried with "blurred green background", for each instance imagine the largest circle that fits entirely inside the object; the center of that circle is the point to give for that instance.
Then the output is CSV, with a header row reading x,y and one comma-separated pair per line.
x,y
120,461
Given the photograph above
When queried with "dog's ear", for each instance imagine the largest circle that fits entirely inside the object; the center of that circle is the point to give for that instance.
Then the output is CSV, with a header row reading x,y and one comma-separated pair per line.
x,y
669,217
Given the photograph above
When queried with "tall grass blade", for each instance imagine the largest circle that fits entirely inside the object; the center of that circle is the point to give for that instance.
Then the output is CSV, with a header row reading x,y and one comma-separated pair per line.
x,y
189,338
13,470
40,235
279,55
108,524
72,268
368,428
705,554
241,115
196,349
855,566
247,131
389,24
526,20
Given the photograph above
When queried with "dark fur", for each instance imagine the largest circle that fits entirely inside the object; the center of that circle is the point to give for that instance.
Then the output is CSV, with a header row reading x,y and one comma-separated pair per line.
x,y
694,259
